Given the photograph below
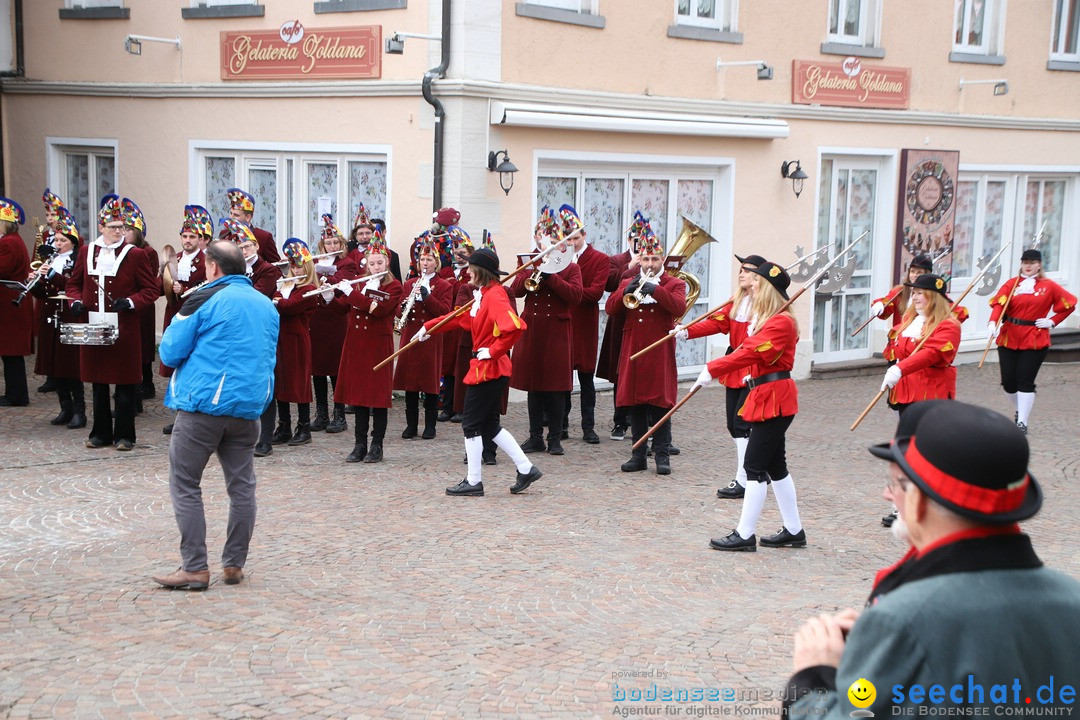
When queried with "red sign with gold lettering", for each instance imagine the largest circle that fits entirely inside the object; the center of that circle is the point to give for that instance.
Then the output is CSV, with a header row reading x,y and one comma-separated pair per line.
x,y
294,52
850,84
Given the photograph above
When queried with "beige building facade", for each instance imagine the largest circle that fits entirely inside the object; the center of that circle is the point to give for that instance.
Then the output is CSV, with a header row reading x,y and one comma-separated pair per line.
x,y
672,107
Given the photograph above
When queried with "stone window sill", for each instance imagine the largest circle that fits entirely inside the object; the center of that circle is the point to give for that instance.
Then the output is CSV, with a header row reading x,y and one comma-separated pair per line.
x,y
95,13
559,15
333,6
832,48
222,11
958,57
691,32
1065,65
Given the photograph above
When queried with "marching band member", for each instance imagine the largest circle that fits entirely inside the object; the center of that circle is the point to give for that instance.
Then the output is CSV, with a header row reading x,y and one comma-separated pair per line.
x,y
242,208
16,341
767,355
55,359
426,296
1038,304
647,389
135,234
457,348
495,327
896,303
52,203
364,231
732,320
369,339
542,359
328,327
292,374
585,322
112,283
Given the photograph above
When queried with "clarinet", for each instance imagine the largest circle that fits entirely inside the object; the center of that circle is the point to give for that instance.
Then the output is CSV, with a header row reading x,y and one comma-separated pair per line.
x,y
399,325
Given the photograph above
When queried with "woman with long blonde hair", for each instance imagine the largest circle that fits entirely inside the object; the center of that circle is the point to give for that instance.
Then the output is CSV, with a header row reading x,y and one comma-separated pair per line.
x,y
292,374
765,358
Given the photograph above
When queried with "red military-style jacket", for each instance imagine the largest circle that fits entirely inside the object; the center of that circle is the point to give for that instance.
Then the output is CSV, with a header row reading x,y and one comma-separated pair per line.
x,y
457,277
328,324
267,247
419,369
892,310
542,358
1027,307
928,374
197,275
17,323
292,374
725,322
769,350
369,339
652,378
585,315
495,326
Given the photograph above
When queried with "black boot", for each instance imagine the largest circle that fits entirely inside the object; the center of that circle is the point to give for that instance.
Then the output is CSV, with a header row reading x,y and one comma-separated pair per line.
x,y
555,445
412,415
48,386
374,455
78,406
360,432
535,443
282,434
322,417
337,422
66,413
431,411
358,452
302,436
148,391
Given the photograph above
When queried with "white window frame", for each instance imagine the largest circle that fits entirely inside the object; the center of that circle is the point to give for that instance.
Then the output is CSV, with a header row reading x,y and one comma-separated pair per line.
x,y
993,28
869,33
1059,33
585,7
58,148
725,16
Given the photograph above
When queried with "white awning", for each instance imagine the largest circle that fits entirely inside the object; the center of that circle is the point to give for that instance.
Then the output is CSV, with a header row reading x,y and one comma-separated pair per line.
x,y
578,117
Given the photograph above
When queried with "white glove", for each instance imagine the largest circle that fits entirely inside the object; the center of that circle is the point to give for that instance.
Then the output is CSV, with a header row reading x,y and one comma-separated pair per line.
x,y
892,376
328,294
421,335
704,378
344,286
746,379
1044,323
993,328
679,332
325,268
877,308
483,354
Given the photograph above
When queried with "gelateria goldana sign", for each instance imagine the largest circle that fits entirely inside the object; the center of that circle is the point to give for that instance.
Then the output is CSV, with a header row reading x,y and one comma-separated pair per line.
x,y
850,83
294,52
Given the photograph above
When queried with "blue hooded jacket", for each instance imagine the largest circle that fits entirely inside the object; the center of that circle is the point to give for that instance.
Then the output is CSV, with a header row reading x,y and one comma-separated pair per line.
x,y
223,344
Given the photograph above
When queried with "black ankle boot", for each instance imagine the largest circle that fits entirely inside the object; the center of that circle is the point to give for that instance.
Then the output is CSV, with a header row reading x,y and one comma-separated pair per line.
x,y
282,435
358,452
374,455
409,432
535,443
322,418
337,423
430,416
78,416
66,413
302,436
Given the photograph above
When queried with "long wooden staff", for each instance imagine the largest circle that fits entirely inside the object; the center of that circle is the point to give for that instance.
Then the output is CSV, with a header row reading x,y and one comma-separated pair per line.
x,y
1001,318
809,284
974,281
461,310
871,318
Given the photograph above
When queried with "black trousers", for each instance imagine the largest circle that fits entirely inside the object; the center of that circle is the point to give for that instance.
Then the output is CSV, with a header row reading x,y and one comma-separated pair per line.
x,y
70,390
378,424
319,383
15,379
735,397
643,417
620,416
1019,368
480,416
546,405
104,428
587,385
766,459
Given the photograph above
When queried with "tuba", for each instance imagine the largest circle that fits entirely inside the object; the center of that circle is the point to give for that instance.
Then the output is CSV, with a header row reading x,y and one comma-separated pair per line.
x,y
691,239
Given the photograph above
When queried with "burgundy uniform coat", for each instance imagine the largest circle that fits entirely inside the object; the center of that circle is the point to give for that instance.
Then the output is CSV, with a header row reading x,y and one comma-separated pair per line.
x,y
120,363
419,369
16,323
450,340
369,339
607,366
198,275
267,247
652,378
328,325
54,358
147,314
585,316
292,374
264,277
542,358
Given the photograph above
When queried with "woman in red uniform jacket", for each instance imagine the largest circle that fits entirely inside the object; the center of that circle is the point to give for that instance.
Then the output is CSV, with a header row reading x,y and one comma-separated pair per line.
x,y
292,374
16,340
495,327
1023,334
369,339
328,328
426,296
766,356
732,320
896,303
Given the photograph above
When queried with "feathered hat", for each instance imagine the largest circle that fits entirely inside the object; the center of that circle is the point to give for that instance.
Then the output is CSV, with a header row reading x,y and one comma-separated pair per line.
x,y
234,231
424,244
548,224
647,241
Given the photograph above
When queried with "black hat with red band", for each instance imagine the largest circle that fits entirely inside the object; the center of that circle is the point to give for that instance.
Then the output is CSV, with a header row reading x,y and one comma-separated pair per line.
x,y
969,460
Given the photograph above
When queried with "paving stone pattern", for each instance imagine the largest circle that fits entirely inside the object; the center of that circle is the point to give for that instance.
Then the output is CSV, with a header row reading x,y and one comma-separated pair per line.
x,y
371,594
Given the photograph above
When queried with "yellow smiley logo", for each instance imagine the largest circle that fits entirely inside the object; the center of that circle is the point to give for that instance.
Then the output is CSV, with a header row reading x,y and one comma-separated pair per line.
x,y
940,283
774,271
862,693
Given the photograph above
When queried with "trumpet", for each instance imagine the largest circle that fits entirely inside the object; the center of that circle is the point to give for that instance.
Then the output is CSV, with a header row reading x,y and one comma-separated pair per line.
x,y
532,283
633,300
414,295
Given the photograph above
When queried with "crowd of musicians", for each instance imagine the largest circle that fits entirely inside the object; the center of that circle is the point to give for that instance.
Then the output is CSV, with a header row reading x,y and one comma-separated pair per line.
x,y
462,341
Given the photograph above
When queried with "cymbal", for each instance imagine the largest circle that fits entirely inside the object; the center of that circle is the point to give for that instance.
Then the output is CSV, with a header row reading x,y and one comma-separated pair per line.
x,y
59,297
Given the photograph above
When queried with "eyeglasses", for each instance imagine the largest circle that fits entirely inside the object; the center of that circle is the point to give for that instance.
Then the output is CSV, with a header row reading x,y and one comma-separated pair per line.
x,y
896,485
114,228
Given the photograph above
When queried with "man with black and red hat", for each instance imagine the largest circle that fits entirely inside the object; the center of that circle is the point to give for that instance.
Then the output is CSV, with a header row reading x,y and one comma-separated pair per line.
x,y
242,208
971,617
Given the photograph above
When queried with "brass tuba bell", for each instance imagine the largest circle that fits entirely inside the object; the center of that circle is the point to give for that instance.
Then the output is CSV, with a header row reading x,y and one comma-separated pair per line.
x,y
691,239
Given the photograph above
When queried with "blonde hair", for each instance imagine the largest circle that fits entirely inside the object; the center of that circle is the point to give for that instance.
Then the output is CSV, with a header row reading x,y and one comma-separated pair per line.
x,y
322,245
308,269
937,311
767,302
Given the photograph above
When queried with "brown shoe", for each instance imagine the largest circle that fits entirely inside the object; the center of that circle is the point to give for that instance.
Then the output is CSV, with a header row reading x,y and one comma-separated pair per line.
x,y
183,580
233,575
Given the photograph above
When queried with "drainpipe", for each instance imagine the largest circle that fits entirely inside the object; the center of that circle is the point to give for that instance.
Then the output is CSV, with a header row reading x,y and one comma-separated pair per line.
x,y
439,72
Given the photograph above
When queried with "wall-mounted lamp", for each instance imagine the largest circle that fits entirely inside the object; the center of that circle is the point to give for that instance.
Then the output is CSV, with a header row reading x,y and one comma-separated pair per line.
x,y
1001,87
764,71
506,169
133,43
792,170
395,44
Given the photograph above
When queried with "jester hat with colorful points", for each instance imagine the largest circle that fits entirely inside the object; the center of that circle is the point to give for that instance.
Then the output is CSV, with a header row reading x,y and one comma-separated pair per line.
x,y
66,225
240,200
52,200
378,244
329,229
487,242
235,231
424,244
297,252
647,241
202,223
571,221
133,216
362,219
547,224
111,210
11,212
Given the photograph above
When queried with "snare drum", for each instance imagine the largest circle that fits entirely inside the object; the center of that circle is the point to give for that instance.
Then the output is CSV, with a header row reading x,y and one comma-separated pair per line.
x,y
87,334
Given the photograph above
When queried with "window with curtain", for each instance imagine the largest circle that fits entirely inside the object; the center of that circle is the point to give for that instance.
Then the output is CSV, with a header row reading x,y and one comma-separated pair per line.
x,y
977,26
716,14
1044,201
1066,29
87,175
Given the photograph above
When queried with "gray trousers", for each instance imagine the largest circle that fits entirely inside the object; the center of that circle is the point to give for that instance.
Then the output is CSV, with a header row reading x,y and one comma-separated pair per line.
x,y
195,437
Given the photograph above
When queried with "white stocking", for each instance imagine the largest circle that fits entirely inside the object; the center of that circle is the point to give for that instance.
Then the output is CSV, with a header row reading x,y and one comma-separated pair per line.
x,y
740,453
789,507
509,445
1024,402
752,504
474,449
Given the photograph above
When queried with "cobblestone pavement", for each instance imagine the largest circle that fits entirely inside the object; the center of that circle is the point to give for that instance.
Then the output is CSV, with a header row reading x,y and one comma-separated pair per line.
x,y
372,594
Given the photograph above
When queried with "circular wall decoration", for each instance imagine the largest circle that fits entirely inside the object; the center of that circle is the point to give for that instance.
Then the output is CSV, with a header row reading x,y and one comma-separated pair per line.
x,y
930,192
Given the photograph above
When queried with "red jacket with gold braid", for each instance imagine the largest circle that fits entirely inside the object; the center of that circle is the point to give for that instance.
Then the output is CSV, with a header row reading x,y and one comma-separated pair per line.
x,y
496,327
723,322
929,373
1028,307
771,349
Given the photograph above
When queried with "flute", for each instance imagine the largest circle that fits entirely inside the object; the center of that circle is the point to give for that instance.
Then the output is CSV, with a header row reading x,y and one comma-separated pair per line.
x,y
193,289
283,263
328,286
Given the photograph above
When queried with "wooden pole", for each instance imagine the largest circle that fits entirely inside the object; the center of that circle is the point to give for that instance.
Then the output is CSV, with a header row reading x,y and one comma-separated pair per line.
x,y
667,416
871,318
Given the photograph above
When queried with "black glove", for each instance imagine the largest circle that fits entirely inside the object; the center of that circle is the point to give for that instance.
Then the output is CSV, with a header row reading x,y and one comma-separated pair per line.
x,y
633,286
76,306
351,245
121,304
544,275
424,293
647,288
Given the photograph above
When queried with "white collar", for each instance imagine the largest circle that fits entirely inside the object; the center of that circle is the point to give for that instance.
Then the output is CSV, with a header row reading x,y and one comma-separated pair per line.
x,y
190,254
100,242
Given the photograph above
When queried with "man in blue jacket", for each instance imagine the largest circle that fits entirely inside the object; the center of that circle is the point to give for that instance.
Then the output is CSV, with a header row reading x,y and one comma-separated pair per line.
x,y
223,344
